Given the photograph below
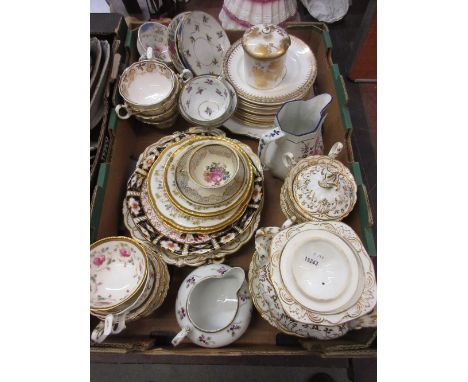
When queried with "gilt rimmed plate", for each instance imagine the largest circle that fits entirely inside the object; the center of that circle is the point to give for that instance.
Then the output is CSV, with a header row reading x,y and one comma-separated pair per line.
x,y
170,215
206,198
202,43
301,71
170,240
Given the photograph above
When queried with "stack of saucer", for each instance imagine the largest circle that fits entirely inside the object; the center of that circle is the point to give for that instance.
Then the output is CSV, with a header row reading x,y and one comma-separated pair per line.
x,y
258,107
195,197
150,90
127,282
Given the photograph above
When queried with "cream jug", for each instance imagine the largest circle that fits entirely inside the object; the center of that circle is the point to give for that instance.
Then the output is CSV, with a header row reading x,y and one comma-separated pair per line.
x,y
298,130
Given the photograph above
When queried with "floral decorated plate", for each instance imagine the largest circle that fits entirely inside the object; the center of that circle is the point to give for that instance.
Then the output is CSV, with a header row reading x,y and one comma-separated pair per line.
x,y
173,241
202,43
185,204
228,244
175,218
119,268
301,71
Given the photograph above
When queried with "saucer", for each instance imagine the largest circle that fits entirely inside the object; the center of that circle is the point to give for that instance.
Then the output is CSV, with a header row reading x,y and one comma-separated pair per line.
x,y
202,43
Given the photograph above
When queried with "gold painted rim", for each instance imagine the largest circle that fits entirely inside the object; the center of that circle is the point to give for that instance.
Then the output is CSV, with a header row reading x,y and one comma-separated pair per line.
x,y
171,100
142,281
244,199
171,223
160,63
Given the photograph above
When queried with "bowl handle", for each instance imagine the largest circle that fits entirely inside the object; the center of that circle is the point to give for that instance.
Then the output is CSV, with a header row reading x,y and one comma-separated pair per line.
x,y
186,75
124,107
180,336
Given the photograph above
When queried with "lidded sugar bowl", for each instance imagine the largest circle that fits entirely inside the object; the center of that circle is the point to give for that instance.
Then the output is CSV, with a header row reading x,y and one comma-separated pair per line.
x,y
265,47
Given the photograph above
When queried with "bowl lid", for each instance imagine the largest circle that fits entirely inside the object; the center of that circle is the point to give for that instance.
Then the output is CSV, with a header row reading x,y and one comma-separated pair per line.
x,y
265,41
321,187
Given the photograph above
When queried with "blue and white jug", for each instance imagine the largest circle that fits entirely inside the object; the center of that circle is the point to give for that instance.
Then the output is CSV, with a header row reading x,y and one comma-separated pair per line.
x,y
298,130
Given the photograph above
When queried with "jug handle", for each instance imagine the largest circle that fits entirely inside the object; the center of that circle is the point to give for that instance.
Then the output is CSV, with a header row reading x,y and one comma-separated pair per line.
x,y
265,142
180,336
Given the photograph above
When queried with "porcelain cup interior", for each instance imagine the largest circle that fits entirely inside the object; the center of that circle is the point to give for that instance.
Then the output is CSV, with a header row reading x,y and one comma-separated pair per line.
x,y
320,271
212,304
119,270
213,165
146,83
205,98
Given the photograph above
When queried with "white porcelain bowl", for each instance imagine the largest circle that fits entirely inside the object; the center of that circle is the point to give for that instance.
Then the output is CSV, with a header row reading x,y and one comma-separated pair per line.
x,y
207,101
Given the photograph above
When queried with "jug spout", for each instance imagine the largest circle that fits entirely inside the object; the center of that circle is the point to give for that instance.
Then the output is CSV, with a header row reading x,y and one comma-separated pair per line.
x,y
238,275
299,118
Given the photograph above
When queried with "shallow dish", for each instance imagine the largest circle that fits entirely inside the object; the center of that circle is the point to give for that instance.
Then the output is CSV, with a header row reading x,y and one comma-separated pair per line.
x,y
96,52
119,268
202,43
213,165
207,100
172,43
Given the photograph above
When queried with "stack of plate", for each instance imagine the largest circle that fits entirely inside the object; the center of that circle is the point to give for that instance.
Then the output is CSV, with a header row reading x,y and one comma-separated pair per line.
x,y
197,42
100,53
258,107
194,197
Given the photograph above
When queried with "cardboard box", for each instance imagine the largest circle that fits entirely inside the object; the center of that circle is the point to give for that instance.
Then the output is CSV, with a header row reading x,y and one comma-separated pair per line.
x,y
148,340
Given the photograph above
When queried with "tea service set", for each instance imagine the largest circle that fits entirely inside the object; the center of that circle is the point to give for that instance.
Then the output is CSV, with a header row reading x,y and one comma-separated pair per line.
x,y
195,197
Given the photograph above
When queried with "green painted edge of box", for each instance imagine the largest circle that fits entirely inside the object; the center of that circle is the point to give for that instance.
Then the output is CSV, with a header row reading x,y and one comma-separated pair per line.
x,y
366,231
327,39
112,125
128,39
99,199
340,92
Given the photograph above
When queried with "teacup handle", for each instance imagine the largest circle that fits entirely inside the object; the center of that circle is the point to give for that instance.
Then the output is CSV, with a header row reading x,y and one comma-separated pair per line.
x,y
180,336
265,142
124,107
186,75
106,327
288,223
288,160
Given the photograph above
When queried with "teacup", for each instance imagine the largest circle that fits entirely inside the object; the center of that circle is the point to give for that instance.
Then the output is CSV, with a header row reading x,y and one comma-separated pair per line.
x,y
213,165
120,278
146,85
207,100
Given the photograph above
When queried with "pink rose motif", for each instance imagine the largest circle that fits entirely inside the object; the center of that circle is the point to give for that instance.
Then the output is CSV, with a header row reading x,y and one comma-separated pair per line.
x,y
98,260
124,252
